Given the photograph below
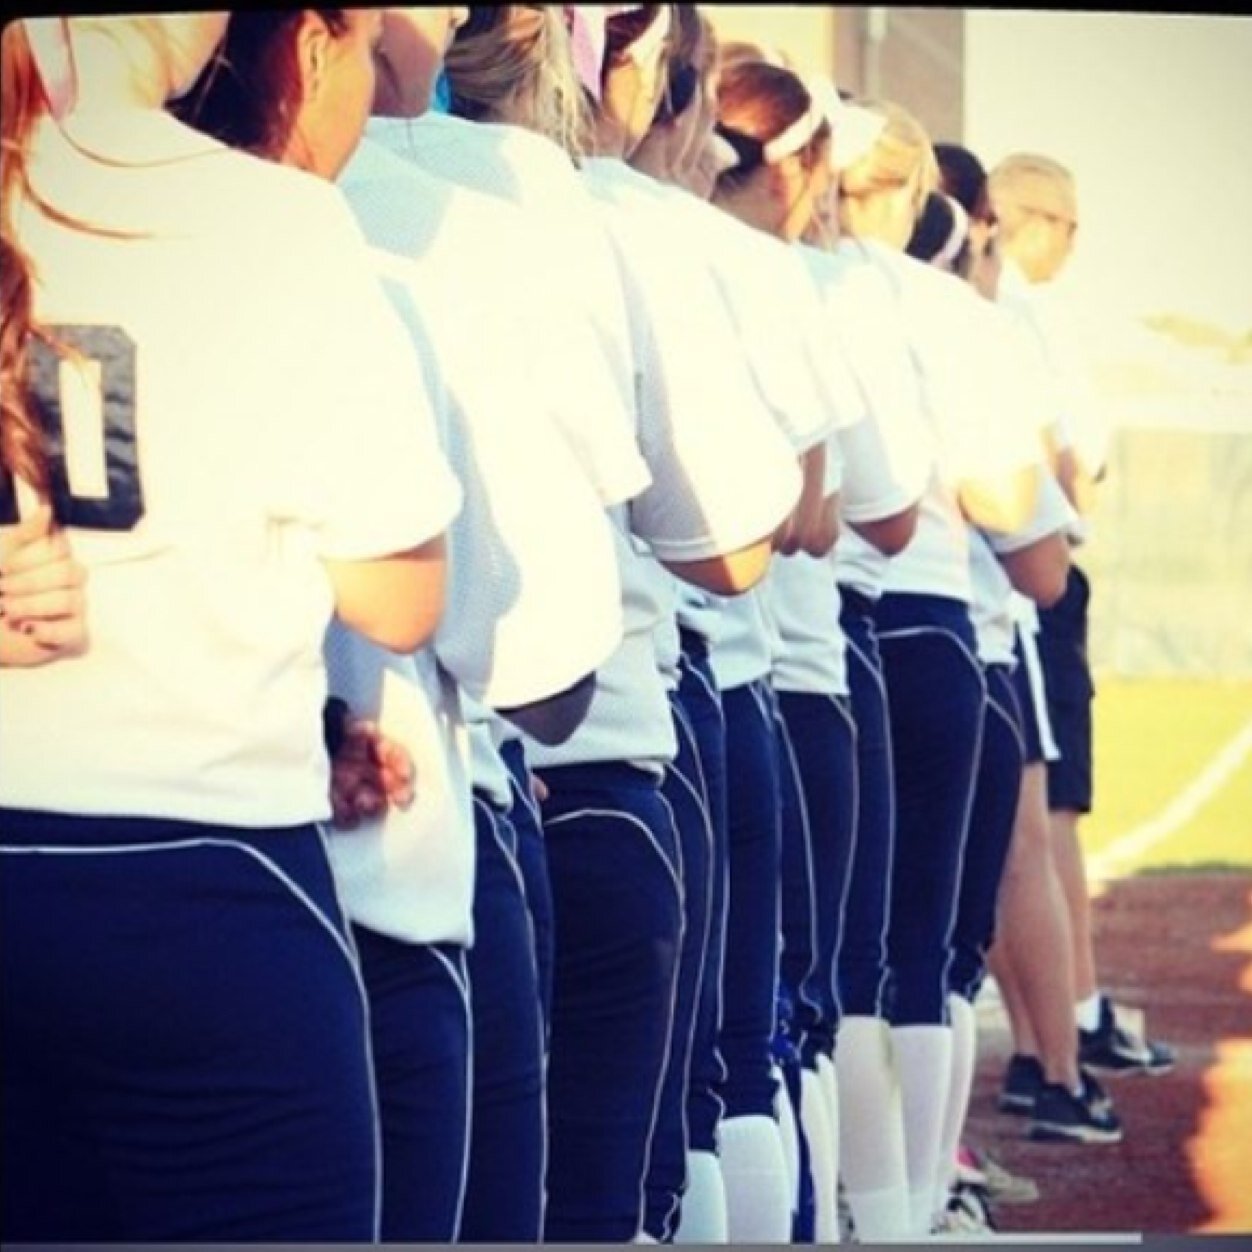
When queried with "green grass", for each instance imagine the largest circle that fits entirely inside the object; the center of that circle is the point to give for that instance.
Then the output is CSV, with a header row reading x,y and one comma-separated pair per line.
x,y
1152,739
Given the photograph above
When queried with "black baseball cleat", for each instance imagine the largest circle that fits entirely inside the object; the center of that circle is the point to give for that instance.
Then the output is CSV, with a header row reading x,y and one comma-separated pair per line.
x,y
1060,1116
1116,1050
1023,1079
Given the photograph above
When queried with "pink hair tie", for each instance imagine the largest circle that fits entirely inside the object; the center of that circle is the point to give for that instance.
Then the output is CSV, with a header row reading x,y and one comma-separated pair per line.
x,y
49,39
585,23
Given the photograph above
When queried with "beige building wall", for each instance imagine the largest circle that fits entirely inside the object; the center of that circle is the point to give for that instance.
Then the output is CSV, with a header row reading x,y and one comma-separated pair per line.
x,y
915,56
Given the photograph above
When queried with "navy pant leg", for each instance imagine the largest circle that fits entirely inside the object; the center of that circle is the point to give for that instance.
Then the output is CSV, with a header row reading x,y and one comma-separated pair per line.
x,y
862,960
990,830
420,1033
819,739
505,1186
183,1026
750,971
612,853
936,695
701,704
532,857
683,789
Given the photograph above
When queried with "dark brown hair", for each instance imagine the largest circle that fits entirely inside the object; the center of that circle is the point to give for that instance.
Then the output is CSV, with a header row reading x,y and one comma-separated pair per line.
x,y
248,95
757,102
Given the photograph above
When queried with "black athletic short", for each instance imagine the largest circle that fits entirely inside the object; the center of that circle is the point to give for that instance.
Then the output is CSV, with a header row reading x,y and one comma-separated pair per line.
x,y
1062,641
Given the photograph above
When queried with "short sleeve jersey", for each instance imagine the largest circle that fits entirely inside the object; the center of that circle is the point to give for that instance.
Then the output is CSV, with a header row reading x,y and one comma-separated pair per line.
x,y
774,304
563,265
948,327
249,406
516,628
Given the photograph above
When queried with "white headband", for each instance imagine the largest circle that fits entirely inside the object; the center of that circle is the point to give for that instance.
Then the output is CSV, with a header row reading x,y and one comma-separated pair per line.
x,y
856,129
724,155
653,38
795,136
960,232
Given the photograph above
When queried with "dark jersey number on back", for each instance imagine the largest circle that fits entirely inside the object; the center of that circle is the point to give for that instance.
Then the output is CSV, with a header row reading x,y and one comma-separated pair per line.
x,y
112,352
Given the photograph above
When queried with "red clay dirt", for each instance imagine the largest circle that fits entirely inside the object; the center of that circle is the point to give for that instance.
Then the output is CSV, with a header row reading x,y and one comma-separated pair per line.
x,y
1179,947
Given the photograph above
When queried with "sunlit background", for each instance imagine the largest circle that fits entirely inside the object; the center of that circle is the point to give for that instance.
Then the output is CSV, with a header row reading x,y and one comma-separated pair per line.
x,y
1151,113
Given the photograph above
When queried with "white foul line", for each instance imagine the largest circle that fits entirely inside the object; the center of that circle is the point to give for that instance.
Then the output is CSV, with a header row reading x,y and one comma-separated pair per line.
x,y
1180,810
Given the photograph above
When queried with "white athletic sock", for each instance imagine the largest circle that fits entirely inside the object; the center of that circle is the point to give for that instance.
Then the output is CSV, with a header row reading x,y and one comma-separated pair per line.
x,y
789,1136
871,1130
816,1126
924,1054
829,1082
964,1054
758,1194
1087,1012
702,1218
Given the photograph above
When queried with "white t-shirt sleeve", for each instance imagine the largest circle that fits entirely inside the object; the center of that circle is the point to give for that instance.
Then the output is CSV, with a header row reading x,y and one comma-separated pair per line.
x,y
723,475
365,467
526,616
1052,513
771,297
889,453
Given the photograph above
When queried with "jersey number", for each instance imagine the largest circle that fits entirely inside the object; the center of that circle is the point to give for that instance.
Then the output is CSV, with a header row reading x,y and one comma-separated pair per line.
x,y
86,405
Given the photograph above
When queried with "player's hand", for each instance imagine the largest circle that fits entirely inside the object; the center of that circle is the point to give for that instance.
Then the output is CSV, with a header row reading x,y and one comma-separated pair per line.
x,y
538,788
43,607
369,773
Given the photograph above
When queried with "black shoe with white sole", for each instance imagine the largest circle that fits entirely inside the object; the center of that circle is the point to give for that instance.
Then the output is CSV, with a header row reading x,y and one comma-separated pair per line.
x,y
1023,1079
1060,1116
1114,1049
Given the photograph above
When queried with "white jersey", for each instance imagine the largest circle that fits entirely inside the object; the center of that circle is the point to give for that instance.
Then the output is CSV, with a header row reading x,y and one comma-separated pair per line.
x,y
1041,311
550,270
954,337
774,304
260,412
722,475
804,606
516,628
799,374
888,456
997,609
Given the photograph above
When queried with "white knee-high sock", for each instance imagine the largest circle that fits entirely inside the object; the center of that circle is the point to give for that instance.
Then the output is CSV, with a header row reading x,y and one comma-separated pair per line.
x,y
789,1136
702,1218
961,1081
758,1191
924,1054
871,1130
816,1126
828,1081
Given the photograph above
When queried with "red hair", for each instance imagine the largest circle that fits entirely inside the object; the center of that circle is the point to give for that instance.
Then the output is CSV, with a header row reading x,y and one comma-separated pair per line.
x,y
22,104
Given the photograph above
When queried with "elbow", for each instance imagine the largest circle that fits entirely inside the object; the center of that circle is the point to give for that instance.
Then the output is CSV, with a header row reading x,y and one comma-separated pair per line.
x,y
728,575
890,535
554,720
409,633
1049,589
1002,505
1041,571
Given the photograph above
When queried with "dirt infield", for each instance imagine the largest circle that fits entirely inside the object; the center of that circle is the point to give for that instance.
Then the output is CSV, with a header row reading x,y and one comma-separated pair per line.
x,y
1179,947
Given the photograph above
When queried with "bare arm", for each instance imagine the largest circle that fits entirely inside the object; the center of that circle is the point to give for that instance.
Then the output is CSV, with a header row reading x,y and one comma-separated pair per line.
x,y
1039,570
1004,503
730,574
554,720
395,601
890,535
